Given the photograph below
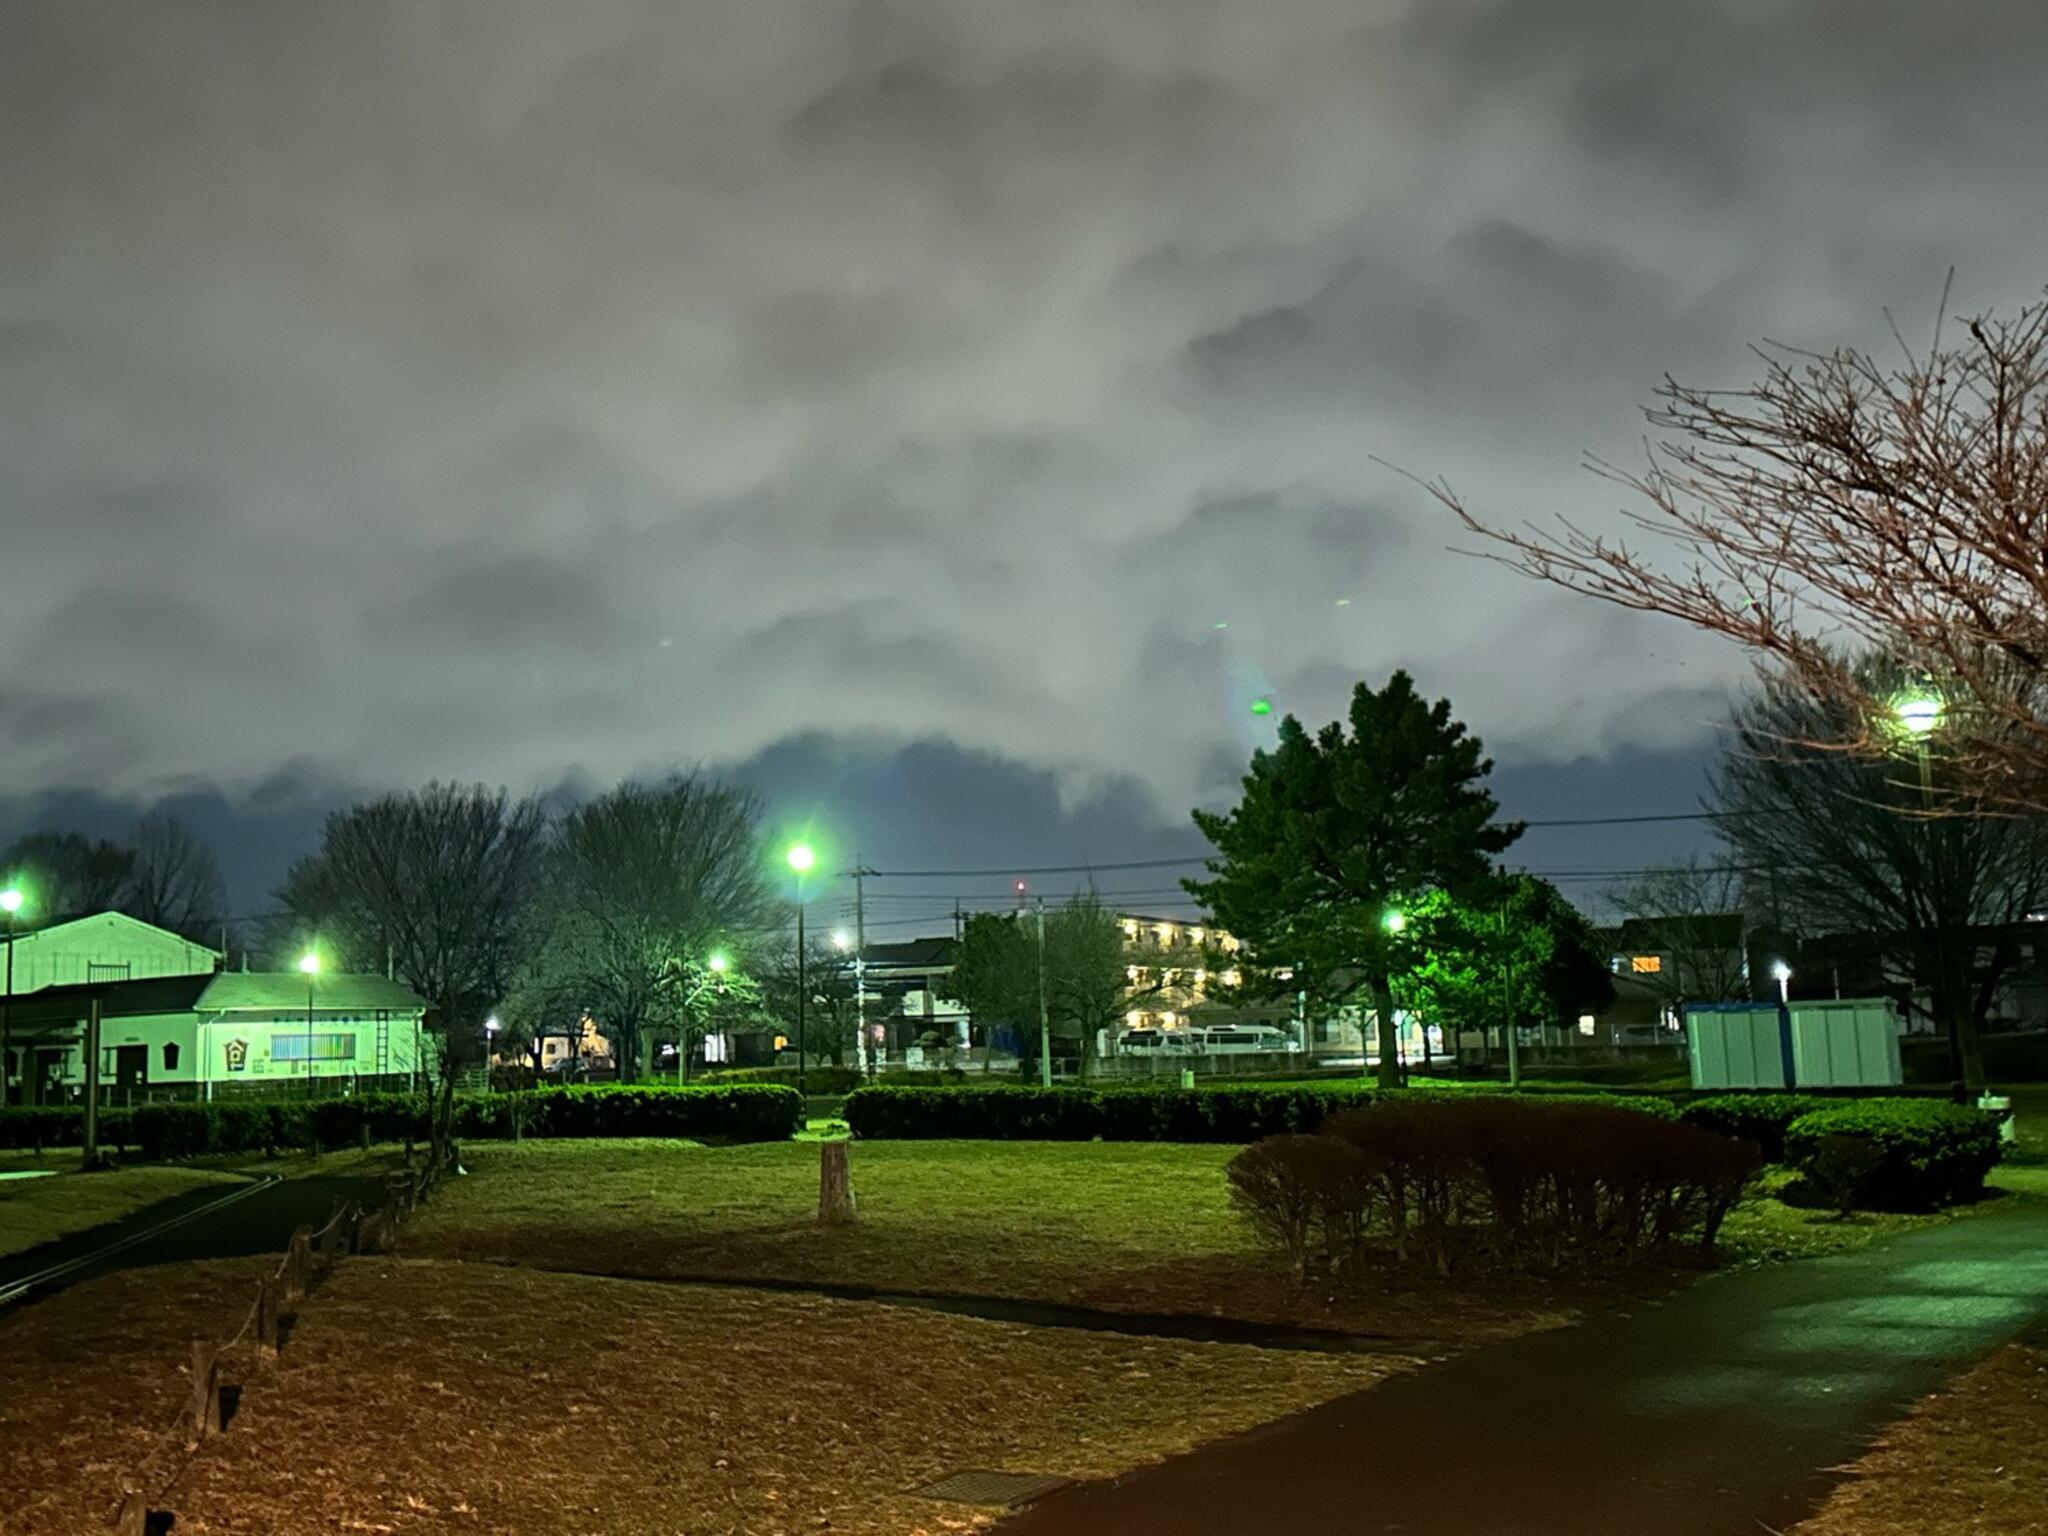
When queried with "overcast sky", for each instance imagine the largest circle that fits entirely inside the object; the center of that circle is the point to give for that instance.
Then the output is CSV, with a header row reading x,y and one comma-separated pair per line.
x,y
891,401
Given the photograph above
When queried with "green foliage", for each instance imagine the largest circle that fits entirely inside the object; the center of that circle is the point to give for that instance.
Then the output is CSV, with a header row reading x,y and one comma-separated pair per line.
x,y
33,1128
1087,974
1929,1153
741,1112
1520,945
818,1078
1758,1118
1335,830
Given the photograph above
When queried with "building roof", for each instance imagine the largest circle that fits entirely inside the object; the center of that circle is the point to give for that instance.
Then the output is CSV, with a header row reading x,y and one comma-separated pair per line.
x,y
914,953
275,991
1707,930
58,930
213,992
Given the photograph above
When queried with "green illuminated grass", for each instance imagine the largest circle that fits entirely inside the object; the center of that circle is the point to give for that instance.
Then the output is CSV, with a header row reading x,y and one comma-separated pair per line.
x,y
35,1211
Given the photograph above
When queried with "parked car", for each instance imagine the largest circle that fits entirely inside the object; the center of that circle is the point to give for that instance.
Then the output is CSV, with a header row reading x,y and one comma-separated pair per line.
x,y
1243,1039
1156,1042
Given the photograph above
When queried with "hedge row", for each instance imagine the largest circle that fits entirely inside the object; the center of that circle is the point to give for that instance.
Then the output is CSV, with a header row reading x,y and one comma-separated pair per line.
x,y
1895,1154
1210,1114
1759,1118
741,1112
1511,1182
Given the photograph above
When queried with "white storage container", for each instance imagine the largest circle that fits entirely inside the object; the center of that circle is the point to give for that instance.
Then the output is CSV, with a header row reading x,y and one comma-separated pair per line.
x,y
1735,1045
1852,1042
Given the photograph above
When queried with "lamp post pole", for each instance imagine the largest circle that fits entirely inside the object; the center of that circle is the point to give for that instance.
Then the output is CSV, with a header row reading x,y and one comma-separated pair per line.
x,y
309,966
10,905
801,858
1044,1013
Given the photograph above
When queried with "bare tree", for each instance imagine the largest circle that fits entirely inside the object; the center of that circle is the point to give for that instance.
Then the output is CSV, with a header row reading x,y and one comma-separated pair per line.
x,y
1849,857
441,881
1691,918
67,875
644,881
1843,506
174,881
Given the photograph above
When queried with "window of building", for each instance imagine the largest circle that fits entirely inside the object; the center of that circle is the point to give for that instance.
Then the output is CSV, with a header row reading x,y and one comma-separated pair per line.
x,y
1646,965
299,1046
170,1055
1586,1024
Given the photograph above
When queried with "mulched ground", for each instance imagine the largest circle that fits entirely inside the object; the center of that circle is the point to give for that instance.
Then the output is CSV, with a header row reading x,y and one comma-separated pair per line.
x,y
1970,1459
425,1396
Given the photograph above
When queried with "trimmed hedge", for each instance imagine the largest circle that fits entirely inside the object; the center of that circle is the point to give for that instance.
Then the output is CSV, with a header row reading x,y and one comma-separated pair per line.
x,y
35,1128
1761,1118
742,1112
818,1079
1209,1114
1506,1181
1924,1153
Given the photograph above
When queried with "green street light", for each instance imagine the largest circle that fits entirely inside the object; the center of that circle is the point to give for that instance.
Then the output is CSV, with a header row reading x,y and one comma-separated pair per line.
x,y
718,962
309,966
310,963
801,858
1918,714
1395,921
11,901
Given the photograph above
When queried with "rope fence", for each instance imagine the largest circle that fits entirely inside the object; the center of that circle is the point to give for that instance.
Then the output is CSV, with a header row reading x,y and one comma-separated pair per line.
x,y
311,1254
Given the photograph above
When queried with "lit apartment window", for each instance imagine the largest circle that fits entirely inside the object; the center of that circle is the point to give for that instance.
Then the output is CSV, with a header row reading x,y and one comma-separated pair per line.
x,y
1132,973
1194,935
1131,928
1230,977
1586,1024
1165,935
1646,965
1134,1019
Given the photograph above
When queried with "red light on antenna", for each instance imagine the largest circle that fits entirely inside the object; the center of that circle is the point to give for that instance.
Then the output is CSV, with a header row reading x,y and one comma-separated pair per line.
x,y
1020,886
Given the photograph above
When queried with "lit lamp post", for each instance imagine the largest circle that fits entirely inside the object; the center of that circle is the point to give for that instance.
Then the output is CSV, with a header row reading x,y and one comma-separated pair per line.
x,y
801,859
309,965
1919,716
490,1033
1395,921
1783,973
11,902
843,941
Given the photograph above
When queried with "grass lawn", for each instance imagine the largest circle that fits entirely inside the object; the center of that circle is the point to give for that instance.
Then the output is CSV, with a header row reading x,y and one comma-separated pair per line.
x,y
34,1211
422,1396
1972,1458
1120,1225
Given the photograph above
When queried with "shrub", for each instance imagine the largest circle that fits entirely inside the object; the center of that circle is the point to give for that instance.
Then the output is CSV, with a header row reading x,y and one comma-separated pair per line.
x,y
1760,1118
1925,1153
818,1078
175,1130
34,1128
1308,1196
742,1112
988,1114
1521,1181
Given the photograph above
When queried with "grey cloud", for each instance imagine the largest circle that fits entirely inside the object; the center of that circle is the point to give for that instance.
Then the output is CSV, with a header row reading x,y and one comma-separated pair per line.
x,y
413,369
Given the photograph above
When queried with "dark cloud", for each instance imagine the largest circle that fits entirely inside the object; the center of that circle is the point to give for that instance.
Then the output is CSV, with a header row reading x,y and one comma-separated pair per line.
x,y
431,387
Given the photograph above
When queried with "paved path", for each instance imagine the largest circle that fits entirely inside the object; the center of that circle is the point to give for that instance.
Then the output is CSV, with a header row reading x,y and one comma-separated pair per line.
x,y
260,1223
1712,1413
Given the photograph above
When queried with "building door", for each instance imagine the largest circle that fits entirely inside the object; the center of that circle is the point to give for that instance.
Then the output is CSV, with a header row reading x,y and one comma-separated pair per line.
x,y
47,1084
131,1066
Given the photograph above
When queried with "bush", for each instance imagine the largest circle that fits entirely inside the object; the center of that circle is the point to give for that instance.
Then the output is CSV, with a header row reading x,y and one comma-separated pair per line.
x,y
1760,1118
742,1112
1925,1153
1308,1196
1535,1181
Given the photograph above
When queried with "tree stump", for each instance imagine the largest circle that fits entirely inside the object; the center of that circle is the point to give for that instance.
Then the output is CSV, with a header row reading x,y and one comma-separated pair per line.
x,y
205,1389
835,1184
133,1520
298,1264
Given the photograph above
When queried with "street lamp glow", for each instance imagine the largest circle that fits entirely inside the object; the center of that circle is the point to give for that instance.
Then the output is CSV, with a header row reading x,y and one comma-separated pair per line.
x,y
1395,921
1919,714
1781,971
491,1025
10,901
718,962
309,963
801,858
841,939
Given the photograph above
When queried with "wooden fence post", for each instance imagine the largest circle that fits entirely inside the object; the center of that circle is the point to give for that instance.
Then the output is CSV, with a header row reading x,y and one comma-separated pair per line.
x,y
835,1184
205,1389
298,1258
133,1519
266,1318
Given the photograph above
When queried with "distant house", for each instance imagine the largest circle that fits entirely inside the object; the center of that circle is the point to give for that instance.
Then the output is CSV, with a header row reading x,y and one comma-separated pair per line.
x,y
906,992
185,1036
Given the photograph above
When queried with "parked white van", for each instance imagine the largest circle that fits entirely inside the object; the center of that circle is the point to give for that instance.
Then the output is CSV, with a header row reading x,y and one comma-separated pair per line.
x,y
1244,1039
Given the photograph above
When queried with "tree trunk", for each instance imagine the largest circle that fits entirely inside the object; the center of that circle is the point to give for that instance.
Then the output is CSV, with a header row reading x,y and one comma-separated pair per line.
x,y
1389,1075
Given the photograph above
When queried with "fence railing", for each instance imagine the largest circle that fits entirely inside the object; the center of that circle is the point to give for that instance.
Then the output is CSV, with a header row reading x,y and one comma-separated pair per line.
x,y
312,1253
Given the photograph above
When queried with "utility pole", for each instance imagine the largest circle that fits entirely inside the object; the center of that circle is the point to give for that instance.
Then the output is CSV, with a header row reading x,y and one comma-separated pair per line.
x,y
860,962
1044,1017
1507,995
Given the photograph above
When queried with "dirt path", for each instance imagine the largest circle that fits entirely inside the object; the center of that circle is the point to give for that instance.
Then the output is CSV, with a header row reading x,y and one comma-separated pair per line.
x,y
1713,1413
